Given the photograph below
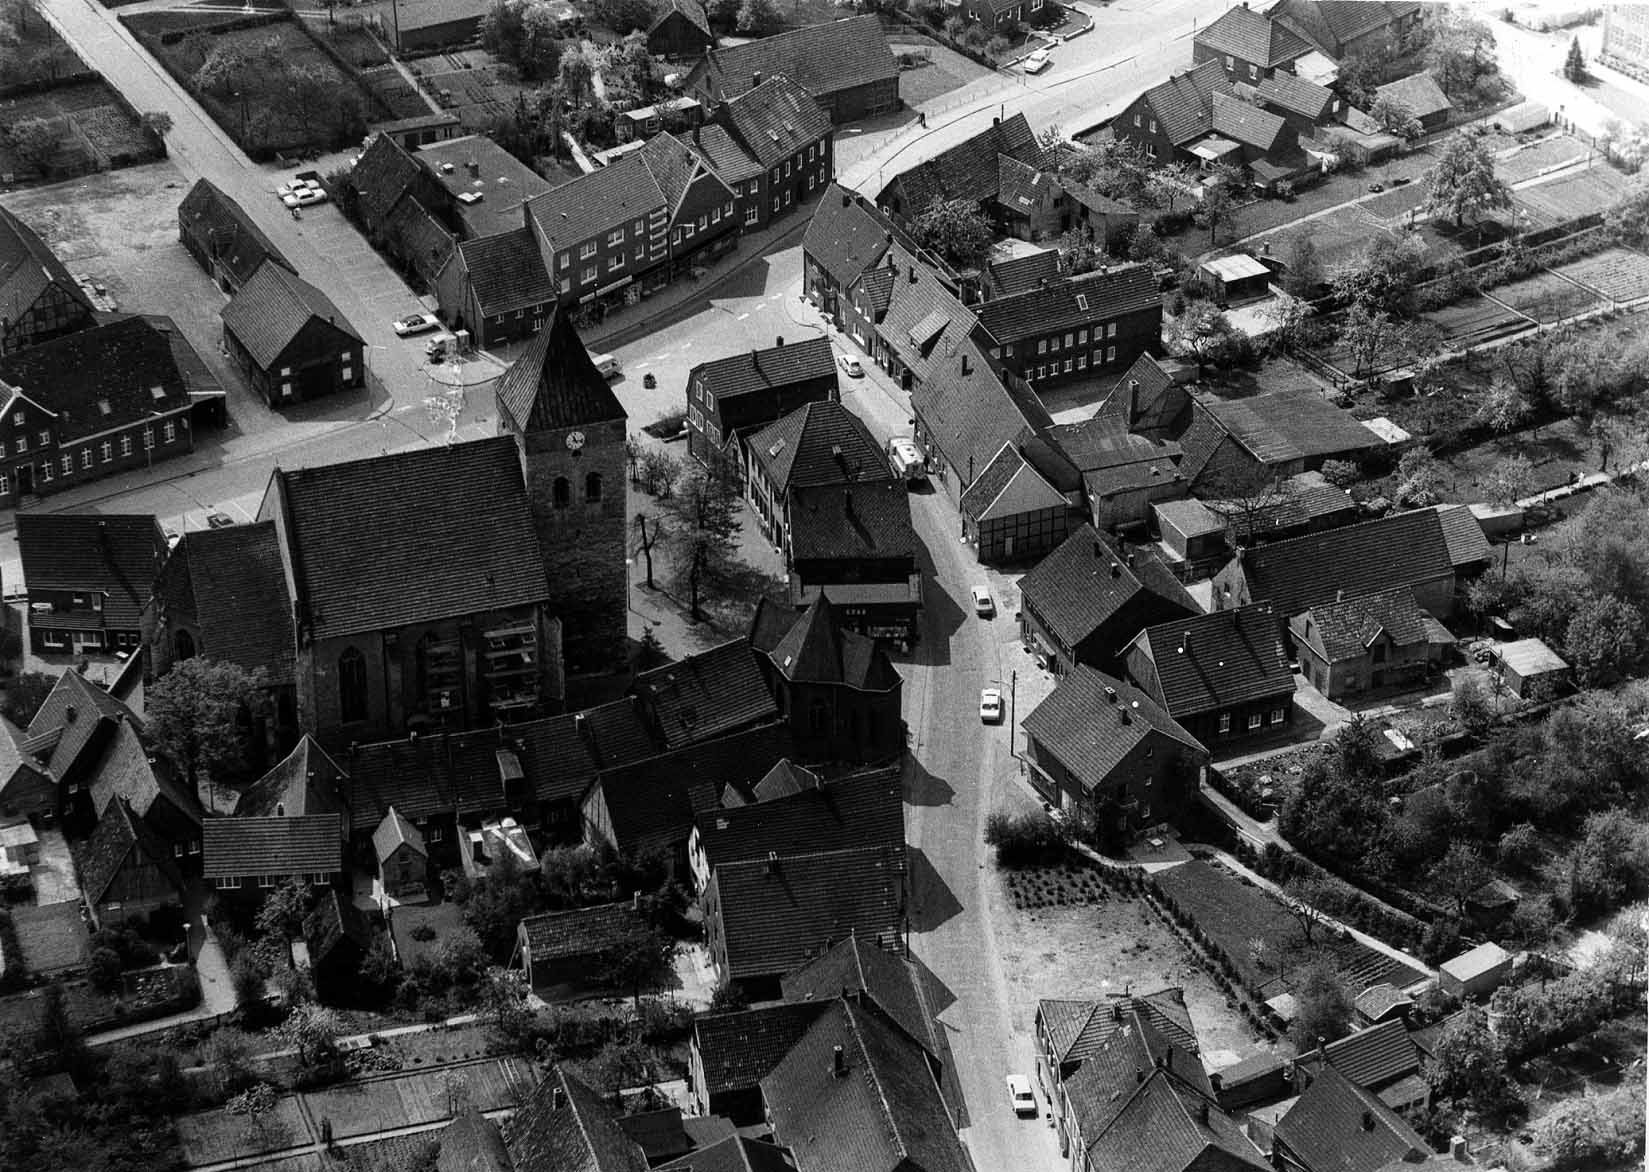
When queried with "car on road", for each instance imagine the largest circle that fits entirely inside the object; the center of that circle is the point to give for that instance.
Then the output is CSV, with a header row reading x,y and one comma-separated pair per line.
x,y
983,605
1021,1095
905,458
310,196
416,323
850,366
219,521
1038,61
990,706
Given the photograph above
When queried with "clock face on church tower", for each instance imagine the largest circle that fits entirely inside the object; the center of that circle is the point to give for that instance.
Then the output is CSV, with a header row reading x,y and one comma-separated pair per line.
x,y
575,442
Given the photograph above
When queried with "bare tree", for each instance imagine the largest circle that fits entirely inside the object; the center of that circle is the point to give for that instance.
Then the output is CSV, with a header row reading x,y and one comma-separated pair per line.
x,y
1252,502
645,540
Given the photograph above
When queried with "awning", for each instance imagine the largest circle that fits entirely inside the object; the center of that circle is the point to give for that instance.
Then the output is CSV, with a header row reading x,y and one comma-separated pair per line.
x,y
619,284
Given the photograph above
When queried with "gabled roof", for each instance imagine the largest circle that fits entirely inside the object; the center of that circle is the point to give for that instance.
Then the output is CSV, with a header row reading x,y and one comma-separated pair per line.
x,y
1338,1126
1250,36
126,771
624,190
706,695
818,443
1419,92
781,781
1090,733
117,555
1165,1126
777,914
414,536
236,241
564,1126
1083,583
1400,549
882,1114
1146,398
1285,426
925,323
1115,1068
823,59
232,582
1079,1029
66,724
864,809
733,1154
1246,123
581,932
554,383
1332,24
674,166
847,234
384,173
1019,274
1021,188
616,733
1464,536
1339,631
268,312
740,1049
1010,485
896,985
776,119
860,519
393,833
1370,1058
968,170
818,650
692,10
334,921
969,414
724,154
1183,103
308,844
119,834
506,272
472,1143
28,267
766,370
1106,444
1098,296
1296,95
1217,660
1300,501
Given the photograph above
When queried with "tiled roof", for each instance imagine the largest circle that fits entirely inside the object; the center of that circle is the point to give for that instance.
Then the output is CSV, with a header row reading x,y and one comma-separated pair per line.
x,y
1419,92
100,379
1183,103
1089,733
1463,534
268,312
865,809
62,739
968,170
740,1049
237,242
554,383
1165,1126
564,1126
1158,404
969,415
1215,660
1338,1126
1335,23
733,1154
762,370
125,770
1021,187
706,695
1083,583
1079,1029
27,267
777,914
653,804
724,154
861,519
1378,1000
1370,1058
616,733
1400,549
781,781
393,833
1250,36
1112,1069
1343,630
846,235
410,537
581,932
1282,427
924,323
119,833
1101,444
1294,94
307,844
894,983
1098,296
776,119
472,1143
1020,274
673,165
115,554
1246,123
884,1113
692,10
592,204
384,173
1009,486
660,1133
234,584
462,771
818,443
817,650
1299,501
823,59
506,272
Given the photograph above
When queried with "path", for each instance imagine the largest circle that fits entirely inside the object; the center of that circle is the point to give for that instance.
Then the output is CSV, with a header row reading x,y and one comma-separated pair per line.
x,y
217,997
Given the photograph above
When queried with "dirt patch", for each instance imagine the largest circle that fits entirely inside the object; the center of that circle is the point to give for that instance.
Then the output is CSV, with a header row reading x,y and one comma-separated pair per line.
x,y
1035,888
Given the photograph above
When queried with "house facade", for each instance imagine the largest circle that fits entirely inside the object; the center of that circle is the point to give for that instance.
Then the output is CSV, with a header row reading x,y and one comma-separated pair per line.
x,y
289,339
1247,45
819,443
403,859
222,237
1165,119
1008,14
1362,644
681,32
791,136
126,869
1222,676
1011,512
742,394
497,288
246,858
90,577
1074,328
854,545
42,300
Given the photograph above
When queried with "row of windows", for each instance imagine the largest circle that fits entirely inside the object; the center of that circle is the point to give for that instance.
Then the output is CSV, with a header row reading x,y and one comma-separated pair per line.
x,y
1080,362
1079,338
563,490
1255,719
267,881
686,231
49,468
820,147
615,239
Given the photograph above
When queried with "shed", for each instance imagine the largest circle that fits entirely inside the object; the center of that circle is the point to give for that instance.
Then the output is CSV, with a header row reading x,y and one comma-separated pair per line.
x,y
1476,973
1235,278
1497,520
1530,669
1382,1002
1521,117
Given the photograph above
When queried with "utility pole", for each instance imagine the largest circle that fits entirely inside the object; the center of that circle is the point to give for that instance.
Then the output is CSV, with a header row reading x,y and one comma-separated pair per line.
x,y
1013,714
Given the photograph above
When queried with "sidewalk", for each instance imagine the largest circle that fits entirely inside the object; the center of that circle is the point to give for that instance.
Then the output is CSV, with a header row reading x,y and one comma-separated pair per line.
x,y
217,997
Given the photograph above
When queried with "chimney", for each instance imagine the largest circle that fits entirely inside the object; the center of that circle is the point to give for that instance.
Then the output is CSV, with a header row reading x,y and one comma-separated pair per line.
x,y
1202,1112
778,342
1368,1120
1340,595
474,169
838,1062
913,274
558,1098
1110,694
1126,719
1458,1150
1139,1074
996,122
1133,401
635,901
1162,1061
1214,1082
1322,1048
1116,570
847,200
965,364
755,79
772,862
1130,559
280,809
69,714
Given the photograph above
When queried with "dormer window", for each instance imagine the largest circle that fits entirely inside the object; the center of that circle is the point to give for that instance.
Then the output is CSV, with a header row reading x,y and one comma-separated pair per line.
x,y
158,394
103,407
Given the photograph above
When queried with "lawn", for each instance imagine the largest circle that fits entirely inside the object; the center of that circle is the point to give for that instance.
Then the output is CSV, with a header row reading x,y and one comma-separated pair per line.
x,y
404,1100
444,918
1536,156
1474,319
207,1137
946,70
97,133
1595,189
1546,297
1234,914
1618,274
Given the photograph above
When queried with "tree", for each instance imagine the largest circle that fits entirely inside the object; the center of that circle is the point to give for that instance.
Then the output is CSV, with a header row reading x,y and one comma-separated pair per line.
x,y
640,964
1602,1130
504,1007
1419,478
645,540
757,18
1610,864
1605,640
157,123
312,1030
624,16
285,908
1219,200
1382,276
24,696
1394,116
223,67
1470,708
1460,54
1144,243
1365,333
1457,874
703,533
1290,319
1510,480
1323,1006
1303,272
1169,184
632,64
198,714
256,1104
576,77
56,1037
1201,332
1079,252
36,140
227,1053
956,230
723,14
1468,1066
728,997
1462,184
1574,65
1250,501
1504,408
1304,893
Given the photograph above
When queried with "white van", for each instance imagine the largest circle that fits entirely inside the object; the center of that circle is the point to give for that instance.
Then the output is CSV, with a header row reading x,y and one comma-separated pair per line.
x,y
441,346
607,365
905,459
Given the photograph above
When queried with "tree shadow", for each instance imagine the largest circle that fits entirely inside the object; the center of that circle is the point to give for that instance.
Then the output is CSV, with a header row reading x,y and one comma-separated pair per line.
x,y
923,788
932,903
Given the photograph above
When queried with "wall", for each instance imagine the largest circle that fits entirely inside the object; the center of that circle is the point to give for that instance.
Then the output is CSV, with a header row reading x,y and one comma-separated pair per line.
x,y
51,315
641,247
117,459
1021,537
1140,126
1133,506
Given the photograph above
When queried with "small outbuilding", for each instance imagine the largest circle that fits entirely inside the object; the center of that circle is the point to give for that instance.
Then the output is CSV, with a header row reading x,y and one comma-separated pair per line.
x,y
1235,278
1476,973
1524,116
289,340
403,859
570,954
1530,669
1382,1002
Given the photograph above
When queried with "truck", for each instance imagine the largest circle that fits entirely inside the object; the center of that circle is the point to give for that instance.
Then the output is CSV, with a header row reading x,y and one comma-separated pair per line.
x,y
905,459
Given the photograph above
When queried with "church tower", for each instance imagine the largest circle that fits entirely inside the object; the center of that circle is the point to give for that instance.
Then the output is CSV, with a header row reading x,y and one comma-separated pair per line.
x,y
570,430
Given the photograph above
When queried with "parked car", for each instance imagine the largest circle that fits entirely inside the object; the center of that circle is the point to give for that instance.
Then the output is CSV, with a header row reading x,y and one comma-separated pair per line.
x,y
850,366
416,323
990,706
1038,61
607,366
905,458
983,605
219,521
1021,1095
311,195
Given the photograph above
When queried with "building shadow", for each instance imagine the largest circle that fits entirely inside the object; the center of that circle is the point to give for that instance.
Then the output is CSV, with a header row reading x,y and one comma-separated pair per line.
x,y
940,615
923,788
932,903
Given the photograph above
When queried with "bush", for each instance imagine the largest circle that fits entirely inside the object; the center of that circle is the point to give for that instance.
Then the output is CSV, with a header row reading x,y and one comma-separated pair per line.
x,y
1341,473
1519,848
1024,840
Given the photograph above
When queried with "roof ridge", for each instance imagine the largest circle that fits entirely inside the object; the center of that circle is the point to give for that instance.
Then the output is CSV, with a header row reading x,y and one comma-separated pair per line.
x,y
870,1072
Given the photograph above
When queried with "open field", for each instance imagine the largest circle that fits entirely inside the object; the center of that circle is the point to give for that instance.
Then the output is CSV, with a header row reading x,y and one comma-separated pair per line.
x,y
1595,189
1474,319
209,1136
948,70
1618,274
1535,157
1546,297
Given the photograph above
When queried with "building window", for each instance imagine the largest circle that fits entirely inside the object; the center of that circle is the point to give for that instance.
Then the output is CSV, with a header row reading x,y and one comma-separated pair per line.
x,y
1253,721
787,168
641,253
1138,121
1082,362
19,420
185,644
1278,715
351,685
566,285
586,250
592,487
22,443
1082,335
168,430
45,439
266,881
1069,340
1230,61
46,470
1225,722
1153,126
226,884
615,263
752,214
107,451
715,215
563,492
148,438
1067,366
615,238
704,222
1111,330
590,274
85,457
775,203
5,484
1110,354
566,259
1253,72
125,445
1042,346
687,230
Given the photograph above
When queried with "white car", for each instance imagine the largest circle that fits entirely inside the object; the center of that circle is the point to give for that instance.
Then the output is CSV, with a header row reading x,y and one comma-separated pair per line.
x,y
983,605
990,706
1021,1095
850,366
312,194
416,323
1038,61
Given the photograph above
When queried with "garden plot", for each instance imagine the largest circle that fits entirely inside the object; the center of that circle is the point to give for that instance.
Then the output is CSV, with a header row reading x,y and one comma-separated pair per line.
x,y
469,83
1618,274
1546,297
208,1137
1475,319
1596,189
404,1100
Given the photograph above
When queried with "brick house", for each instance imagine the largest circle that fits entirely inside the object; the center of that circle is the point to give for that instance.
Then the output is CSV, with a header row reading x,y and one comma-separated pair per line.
x,y
72,731
1238,442
1373,641
1006,14
221,237
681,32
740,395
1221,676
1343,30
1420,94
854,544
289,340
566,954
780,125
1249,46
1076,327
730,1053
1337,1123
90,576
402,857
244,858
846,65
846,235
126,868
1305,106
818,443
736,167
1095,744
970,170
1167,118
496,287
39,299
95,403
1012,511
